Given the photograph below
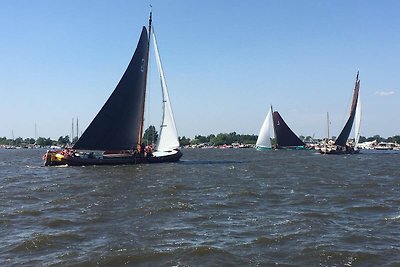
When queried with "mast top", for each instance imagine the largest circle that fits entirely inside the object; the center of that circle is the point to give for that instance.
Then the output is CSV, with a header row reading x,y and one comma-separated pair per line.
x,y
150,19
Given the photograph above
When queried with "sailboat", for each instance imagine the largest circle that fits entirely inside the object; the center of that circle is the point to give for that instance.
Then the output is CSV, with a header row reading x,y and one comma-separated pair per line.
x,y
341,146
264,137
285,137
115,134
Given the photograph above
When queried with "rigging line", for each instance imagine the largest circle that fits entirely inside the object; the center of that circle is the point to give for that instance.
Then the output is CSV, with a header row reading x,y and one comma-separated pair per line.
x,y
148,95
158,72
160,77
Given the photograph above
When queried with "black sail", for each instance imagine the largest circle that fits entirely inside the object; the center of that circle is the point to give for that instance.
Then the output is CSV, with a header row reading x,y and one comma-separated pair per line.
x,y
285,137
345,133
117,125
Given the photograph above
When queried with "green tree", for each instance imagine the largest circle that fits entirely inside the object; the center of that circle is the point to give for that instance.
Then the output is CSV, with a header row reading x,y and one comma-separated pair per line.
x,y
376,137
362,139
201,139
183,141
18,141
62,141
222,138
3,141
150,136
29,141
41,141
247,138
210,137
394,139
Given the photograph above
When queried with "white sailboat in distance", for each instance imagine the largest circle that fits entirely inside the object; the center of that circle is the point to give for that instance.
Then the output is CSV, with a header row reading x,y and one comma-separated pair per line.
x,y
264,137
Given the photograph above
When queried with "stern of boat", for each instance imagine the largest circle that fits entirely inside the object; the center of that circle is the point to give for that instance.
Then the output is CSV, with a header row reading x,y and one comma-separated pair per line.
x,y
166,156
53,158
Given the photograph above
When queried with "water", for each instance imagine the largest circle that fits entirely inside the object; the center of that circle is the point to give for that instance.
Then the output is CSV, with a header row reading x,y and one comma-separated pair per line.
x,y
227,207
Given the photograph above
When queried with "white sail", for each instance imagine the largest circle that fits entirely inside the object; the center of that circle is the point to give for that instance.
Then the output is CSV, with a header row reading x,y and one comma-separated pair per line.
x,y
264,137
168,139
357,122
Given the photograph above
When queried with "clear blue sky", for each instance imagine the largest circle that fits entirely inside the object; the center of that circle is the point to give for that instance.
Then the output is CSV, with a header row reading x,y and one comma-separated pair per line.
x,y
225,62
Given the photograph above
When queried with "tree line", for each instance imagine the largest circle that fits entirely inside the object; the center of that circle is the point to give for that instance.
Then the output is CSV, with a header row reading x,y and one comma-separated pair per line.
x,y
41,141
151,135
219,139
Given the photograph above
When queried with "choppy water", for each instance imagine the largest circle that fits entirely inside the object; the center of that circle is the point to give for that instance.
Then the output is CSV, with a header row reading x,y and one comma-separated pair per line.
x,y
233,207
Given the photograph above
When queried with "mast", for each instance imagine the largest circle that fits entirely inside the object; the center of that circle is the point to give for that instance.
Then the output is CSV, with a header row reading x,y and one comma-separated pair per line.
x,y
77,128
36,132
274,130
327,120
145,84
327,138
72,131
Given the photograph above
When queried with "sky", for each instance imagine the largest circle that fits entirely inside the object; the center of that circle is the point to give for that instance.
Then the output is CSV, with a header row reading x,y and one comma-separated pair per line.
x,y
225,62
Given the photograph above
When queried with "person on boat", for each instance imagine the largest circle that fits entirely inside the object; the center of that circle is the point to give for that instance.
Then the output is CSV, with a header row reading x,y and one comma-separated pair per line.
x,y
74,153
142,150
148,151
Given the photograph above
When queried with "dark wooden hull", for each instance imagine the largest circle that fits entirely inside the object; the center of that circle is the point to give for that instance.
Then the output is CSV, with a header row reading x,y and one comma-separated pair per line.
x,y
340,152
122,160
347,151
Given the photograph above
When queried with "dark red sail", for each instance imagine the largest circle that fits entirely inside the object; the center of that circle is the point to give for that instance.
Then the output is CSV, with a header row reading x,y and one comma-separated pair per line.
x,y
345,133
117,125
285,137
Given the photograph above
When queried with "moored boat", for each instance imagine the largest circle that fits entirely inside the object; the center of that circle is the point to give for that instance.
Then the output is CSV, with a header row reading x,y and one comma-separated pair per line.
x,y
385,146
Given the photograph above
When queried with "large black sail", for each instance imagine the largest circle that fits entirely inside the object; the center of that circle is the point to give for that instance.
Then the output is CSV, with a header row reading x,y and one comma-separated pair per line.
x,y
345,133
117,125
285,137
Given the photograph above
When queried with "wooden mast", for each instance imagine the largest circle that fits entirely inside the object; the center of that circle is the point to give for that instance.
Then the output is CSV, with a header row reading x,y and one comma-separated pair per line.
x,y
145,84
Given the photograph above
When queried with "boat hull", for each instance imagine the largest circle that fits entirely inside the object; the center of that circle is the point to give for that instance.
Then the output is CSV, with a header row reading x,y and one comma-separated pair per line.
x,y
52,160
172,157
293,148
262,148
338,150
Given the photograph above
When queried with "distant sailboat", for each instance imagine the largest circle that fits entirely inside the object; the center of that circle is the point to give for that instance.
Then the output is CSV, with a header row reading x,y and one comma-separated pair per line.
x,y
115,134
285,137
341,146
264,137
